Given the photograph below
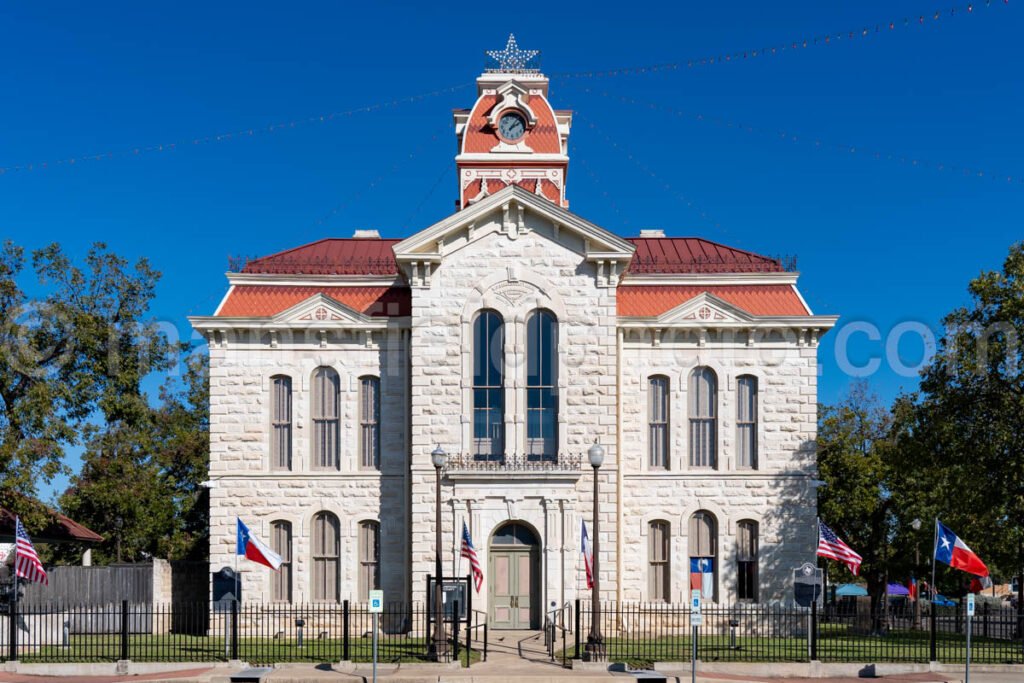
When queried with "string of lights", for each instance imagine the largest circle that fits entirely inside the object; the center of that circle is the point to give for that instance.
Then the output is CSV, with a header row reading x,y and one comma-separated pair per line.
x,y
378,179
838,37
658,180
792,137
607,196
231,135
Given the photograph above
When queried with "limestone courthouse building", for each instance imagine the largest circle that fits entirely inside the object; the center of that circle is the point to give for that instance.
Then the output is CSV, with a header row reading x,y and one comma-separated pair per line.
x,y
514,334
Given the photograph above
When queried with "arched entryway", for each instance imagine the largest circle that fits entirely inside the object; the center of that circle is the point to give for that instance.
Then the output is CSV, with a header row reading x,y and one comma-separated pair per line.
x,y
514,577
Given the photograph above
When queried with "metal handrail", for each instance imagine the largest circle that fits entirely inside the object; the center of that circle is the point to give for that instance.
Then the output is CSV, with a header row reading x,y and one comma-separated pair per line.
x,y
480,622
555,619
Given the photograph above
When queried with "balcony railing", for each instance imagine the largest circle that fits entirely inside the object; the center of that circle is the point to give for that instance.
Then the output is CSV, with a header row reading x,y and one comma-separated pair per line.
x,y
469,463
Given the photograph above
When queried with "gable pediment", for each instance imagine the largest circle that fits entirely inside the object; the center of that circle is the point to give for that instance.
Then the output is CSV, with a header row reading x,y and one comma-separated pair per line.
x,y
706,309
321,309
507,210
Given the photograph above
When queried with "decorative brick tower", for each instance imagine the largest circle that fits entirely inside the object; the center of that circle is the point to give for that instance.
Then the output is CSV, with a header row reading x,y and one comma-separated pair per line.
x,y
512,135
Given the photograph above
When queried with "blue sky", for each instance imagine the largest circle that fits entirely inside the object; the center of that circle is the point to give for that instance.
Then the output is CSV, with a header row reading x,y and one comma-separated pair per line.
x,y
879,240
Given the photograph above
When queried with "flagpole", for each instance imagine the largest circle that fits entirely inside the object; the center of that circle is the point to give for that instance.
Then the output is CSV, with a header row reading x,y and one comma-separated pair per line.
x,y
935,545
458,566
13,632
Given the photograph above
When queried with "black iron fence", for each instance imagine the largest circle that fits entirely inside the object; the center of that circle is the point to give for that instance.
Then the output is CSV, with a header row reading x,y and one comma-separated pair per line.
x,y
252,632
643,633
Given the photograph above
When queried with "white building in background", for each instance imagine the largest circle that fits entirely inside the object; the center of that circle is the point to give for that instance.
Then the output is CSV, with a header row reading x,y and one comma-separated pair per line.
x,y
514,333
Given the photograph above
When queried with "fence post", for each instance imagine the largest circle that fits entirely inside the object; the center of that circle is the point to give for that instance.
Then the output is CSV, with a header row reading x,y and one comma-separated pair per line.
x,y
814,630
469,620
124,629
344,631
984,620
234,630
455,630
577,628
933,608
12,635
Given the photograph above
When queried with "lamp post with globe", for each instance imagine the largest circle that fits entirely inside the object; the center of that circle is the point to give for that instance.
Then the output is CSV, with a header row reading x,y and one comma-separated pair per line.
x,y
594,650
438,646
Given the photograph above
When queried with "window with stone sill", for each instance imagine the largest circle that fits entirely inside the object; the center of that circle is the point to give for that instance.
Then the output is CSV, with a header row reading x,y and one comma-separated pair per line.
x,y
658,431
659,552
703,547
326,419
281,422
542,386
746,422
488,387
281,543
369,423
326,542
369,558
746,560
703,412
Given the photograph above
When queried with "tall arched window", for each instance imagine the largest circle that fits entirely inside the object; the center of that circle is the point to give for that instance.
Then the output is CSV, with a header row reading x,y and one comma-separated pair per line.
x,y
746,560
369,423
703,418
746,422
703,542
369,558
542,386
281,422
326,419
659,575
281,543
488,387
657,411
326,553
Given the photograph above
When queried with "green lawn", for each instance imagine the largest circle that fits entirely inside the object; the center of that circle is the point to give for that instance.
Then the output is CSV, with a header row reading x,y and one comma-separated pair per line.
x,y
835,644
173,648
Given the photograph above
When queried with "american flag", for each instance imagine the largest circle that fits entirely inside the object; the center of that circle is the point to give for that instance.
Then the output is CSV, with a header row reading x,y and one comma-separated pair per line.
x,y
469,552
830,546
26,562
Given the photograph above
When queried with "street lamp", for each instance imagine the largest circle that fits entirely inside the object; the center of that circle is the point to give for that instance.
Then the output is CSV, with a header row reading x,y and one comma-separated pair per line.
x,y
439,645
594,651
916,524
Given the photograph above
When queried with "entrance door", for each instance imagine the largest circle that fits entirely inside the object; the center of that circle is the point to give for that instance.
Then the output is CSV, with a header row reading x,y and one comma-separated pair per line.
x,y
513,578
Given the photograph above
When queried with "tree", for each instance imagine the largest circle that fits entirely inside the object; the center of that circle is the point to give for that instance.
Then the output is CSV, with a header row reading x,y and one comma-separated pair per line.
x,y
961,433
854,460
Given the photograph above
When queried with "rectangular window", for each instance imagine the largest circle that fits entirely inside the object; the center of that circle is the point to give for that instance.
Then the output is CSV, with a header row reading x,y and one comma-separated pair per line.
x,y
542,387
281,543
369,558
658,553
326,419
746,560
281,423
369,423
326,542
488,387
657,406
746,422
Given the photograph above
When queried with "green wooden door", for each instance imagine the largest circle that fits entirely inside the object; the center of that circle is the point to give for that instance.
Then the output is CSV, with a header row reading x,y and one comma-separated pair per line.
x,y
511,588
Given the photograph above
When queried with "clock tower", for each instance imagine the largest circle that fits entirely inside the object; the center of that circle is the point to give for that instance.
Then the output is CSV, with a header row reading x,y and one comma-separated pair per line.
x,y
512,135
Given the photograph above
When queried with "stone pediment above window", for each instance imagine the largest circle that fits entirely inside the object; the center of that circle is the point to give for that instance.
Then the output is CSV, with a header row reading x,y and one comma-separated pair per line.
x,y
706,310
322,310
506,212
466,466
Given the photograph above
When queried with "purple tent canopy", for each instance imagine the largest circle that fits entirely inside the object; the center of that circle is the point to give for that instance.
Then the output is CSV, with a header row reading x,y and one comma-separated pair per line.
x,y
897,589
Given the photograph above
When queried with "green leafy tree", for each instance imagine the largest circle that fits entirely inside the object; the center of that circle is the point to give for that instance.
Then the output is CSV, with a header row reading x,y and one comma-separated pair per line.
x,y
961,434
854,460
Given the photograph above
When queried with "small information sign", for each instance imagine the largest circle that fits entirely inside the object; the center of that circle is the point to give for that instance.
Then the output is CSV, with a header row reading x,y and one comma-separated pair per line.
x,y
970,604
696,618
376,602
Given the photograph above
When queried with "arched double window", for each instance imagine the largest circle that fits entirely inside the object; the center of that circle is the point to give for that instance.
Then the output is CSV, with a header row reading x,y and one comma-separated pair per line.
x,y
703,542
703,418
326,544
657,436
542,386
326,419
488,387
281,422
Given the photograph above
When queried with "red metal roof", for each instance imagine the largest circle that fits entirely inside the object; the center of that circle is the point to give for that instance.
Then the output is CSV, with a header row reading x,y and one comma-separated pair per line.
x,y
653,300
695,255
331,256
59,529
266,300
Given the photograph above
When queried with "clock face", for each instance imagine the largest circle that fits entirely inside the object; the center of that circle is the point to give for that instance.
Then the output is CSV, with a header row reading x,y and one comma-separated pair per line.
x,y
512,126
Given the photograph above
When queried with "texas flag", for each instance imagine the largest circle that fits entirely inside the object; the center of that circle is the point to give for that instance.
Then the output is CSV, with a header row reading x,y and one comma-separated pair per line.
x,y
254,549
588,556
702,576
954,552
